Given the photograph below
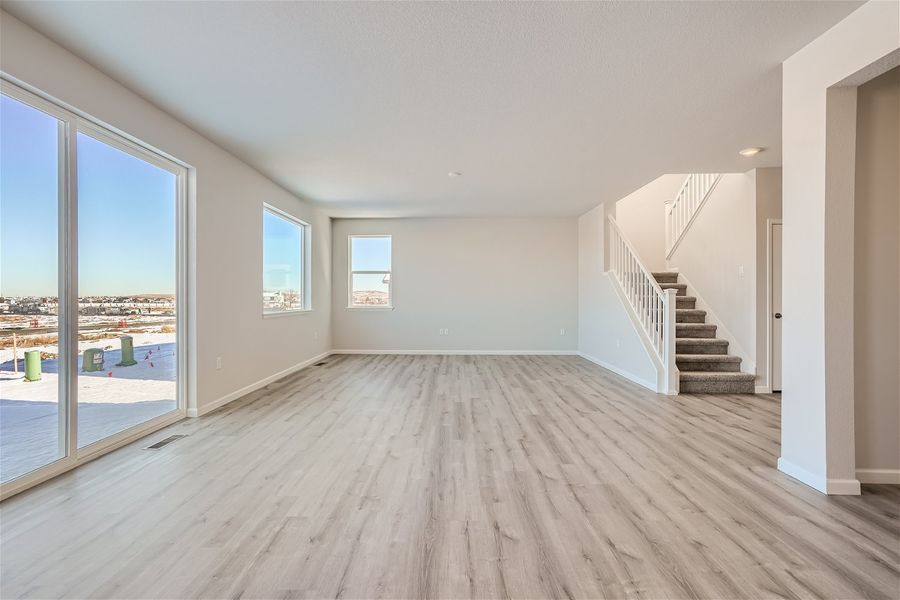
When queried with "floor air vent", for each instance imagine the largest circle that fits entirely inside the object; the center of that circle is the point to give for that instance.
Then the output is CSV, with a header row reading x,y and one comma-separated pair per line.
x,y
319,364
164,442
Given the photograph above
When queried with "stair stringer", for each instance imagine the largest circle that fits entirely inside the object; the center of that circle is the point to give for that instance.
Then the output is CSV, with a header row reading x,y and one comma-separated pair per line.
x,y
661,383
748,364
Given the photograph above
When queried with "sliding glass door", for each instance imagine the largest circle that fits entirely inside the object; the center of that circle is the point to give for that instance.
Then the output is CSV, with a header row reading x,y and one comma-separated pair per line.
x,y
91,350
127,222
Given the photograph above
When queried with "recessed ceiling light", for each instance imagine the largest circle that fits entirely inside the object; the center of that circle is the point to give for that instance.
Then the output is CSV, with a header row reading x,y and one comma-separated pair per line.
x,y
750,151
454,174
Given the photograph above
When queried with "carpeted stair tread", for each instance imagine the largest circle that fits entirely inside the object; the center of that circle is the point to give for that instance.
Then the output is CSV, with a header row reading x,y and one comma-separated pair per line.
x,y
665,276
685,302
690,315
695,330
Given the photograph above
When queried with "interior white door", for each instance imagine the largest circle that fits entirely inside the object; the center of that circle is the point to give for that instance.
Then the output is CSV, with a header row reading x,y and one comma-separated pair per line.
x,y
776,307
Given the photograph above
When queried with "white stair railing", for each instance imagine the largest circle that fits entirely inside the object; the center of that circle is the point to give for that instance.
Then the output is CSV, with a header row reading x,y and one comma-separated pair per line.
x,y
653,306
682,211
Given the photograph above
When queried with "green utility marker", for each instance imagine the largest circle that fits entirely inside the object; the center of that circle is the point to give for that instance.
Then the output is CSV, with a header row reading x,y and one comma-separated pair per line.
x,y
92,360
127,351
33,365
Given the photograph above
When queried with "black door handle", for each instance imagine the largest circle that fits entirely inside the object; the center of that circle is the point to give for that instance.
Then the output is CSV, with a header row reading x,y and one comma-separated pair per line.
x,y
777,315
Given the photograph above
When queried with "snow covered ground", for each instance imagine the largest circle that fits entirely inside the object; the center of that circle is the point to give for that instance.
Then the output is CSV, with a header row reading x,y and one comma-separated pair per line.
x,y
109,401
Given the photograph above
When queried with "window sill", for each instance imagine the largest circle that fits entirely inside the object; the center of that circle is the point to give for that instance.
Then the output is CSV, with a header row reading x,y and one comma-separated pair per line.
x,y
370,308
287,313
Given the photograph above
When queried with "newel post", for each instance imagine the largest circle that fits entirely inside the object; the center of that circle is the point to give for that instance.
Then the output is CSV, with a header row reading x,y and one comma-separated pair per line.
x,y
670,385
667,207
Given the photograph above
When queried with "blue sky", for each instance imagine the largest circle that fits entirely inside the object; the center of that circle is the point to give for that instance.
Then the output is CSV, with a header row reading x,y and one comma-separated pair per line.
x,y
126,213
281,253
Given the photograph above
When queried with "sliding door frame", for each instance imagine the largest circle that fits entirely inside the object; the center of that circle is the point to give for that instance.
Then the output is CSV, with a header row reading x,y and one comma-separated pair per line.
x,y
70,124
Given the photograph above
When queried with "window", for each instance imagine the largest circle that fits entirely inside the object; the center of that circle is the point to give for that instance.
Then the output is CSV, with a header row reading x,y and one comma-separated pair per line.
x,y
370,271
285,263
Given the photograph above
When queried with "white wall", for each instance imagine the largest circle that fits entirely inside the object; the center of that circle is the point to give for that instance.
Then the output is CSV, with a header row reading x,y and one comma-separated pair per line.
x,y
717,256
226,218
605,333
497,284
768,206
877,279
641,216
817,441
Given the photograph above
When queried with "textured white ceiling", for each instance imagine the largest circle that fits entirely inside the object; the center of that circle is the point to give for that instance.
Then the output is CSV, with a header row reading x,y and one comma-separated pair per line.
x,y
545,108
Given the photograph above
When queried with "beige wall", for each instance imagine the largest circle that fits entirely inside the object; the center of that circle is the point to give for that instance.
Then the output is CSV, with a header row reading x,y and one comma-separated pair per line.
x,y
227,219
817,440
606,334
641,217
877,275
497,284
768,206
717,258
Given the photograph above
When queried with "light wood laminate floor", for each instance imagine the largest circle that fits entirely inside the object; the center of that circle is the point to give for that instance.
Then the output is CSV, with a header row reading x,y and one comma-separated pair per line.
x,y
453,477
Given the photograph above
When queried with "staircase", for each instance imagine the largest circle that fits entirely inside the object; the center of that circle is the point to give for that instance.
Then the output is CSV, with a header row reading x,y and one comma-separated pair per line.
x,y
704,365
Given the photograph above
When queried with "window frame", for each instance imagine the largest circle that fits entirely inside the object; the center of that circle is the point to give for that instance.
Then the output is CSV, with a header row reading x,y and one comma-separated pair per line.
x,y
305,262
350,273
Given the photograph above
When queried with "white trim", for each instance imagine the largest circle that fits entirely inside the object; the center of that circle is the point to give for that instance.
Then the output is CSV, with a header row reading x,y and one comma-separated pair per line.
x,y
373,307
762,389
287,313
770,322
207,408
832,487
621,372
891,476
462,352
843,487
814,481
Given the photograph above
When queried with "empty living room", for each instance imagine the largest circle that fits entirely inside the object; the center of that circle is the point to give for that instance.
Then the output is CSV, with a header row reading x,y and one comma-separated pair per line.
x,y
408,300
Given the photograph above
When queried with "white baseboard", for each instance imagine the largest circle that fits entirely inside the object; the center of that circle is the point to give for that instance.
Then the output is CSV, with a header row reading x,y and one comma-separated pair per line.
x,y
618,371
832,487
891,476
762,389
211,406
463,352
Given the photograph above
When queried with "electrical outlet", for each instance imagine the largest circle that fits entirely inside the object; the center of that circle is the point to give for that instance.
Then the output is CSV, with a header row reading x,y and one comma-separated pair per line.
x,y
218,363
315,335
562,332
446,332
618,343
741,271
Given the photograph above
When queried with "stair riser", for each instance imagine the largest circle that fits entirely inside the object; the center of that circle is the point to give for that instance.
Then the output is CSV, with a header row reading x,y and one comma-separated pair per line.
x,y
716,387
717,366
695,332
685,302
690,319
687,348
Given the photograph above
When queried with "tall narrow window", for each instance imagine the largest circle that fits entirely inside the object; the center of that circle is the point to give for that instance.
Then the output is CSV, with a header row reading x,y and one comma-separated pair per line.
x,y
285,268
370,271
